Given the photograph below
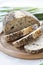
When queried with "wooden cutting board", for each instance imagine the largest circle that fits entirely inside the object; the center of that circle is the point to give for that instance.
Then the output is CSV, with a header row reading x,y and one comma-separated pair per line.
x,y
15,52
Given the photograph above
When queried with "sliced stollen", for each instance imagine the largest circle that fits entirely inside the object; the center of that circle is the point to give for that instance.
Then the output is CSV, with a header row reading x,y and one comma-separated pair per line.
x,y
17,20
26,39
35,47
17,35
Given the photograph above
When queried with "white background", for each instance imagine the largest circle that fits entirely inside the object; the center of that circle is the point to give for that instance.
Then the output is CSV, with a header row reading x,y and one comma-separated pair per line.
x,y
5,59
22,3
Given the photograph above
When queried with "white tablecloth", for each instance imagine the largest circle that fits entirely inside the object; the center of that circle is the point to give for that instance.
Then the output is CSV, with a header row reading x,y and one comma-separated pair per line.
x,y
7,60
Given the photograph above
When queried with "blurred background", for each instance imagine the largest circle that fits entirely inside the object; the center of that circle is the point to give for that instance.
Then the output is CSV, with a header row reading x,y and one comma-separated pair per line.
x,y
33,6
21,3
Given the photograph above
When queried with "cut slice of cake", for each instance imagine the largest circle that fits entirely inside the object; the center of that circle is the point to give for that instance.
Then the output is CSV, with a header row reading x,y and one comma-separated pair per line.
x,y
19,34
28,38
35,47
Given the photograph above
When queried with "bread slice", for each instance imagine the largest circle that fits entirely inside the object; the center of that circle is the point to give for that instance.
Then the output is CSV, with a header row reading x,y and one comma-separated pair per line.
x,y
17,35
35,47
17,20
26,39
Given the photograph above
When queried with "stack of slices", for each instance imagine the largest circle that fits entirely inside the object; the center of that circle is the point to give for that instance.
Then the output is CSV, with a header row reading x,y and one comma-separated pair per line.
x,y
23,29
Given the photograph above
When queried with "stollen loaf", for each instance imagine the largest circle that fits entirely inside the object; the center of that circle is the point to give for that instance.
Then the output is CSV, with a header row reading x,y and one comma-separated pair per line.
x,y
26,39
18,20
19,34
